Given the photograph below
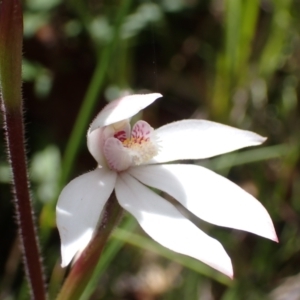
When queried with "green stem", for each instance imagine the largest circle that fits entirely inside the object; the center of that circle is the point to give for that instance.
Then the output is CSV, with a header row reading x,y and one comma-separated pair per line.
x,y
84,267
111,250
91,96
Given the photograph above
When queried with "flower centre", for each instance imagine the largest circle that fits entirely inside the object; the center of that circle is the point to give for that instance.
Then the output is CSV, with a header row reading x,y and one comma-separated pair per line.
x,y
123,152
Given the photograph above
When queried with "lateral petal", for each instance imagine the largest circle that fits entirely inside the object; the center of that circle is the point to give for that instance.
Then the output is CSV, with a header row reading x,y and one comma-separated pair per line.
x,y
122,109
95,142
209,196
164,223
198,139
78,210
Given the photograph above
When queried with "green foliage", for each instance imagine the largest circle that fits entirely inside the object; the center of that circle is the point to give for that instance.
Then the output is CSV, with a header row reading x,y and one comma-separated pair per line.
x,y
233,61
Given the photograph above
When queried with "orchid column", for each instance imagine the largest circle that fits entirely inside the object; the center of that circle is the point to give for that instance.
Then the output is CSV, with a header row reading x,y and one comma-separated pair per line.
x,y
11,37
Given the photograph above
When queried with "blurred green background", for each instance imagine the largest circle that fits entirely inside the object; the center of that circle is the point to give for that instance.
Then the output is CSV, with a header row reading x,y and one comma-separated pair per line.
x,y
231,61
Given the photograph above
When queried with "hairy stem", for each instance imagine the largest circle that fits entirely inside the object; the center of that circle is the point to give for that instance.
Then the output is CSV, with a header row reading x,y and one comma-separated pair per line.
x,y
11,40
13,125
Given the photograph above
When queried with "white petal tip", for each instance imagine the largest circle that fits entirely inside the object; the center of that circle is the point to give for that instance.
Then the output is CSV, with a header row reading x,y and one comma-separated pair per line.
x,y
226,269
262,139
156,95
275,238
269,232
65,261
66,257
255,138
272,235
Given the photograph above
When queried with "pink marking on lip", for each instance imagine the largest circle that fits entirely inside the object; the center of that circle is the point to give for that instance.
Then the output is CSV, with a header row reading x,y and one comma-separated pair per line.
x,y
120,135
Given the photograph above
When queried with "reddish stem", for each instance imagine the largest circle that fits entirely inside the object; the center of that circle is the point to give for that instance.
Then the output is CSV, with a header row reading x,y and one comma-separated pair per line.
x,y
13,125
11,42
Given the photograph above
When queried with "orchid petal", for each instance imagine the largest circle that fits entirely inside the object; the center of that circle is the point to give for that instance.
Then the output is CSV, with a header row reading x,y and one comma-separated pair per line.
x,y
122,109
95,142
78,210
117,156
198,139
209,196
164,223
141,131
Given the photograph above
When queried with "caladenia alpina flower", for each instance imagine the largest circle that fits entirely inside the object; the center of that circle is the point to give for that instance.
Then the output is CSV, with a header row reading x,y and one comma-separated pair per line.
x,y
131,158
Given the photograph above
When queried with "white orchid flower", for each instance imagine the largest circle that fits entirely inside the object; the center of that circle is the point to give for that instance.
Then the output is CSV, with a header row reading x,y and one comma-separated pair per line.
x,y
130,160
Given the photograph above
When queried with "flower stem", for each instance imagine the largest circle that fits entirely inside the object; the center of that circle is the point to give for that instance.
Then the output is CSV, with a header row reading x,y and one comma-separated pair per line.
x,y
13,124
84,267
11,40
